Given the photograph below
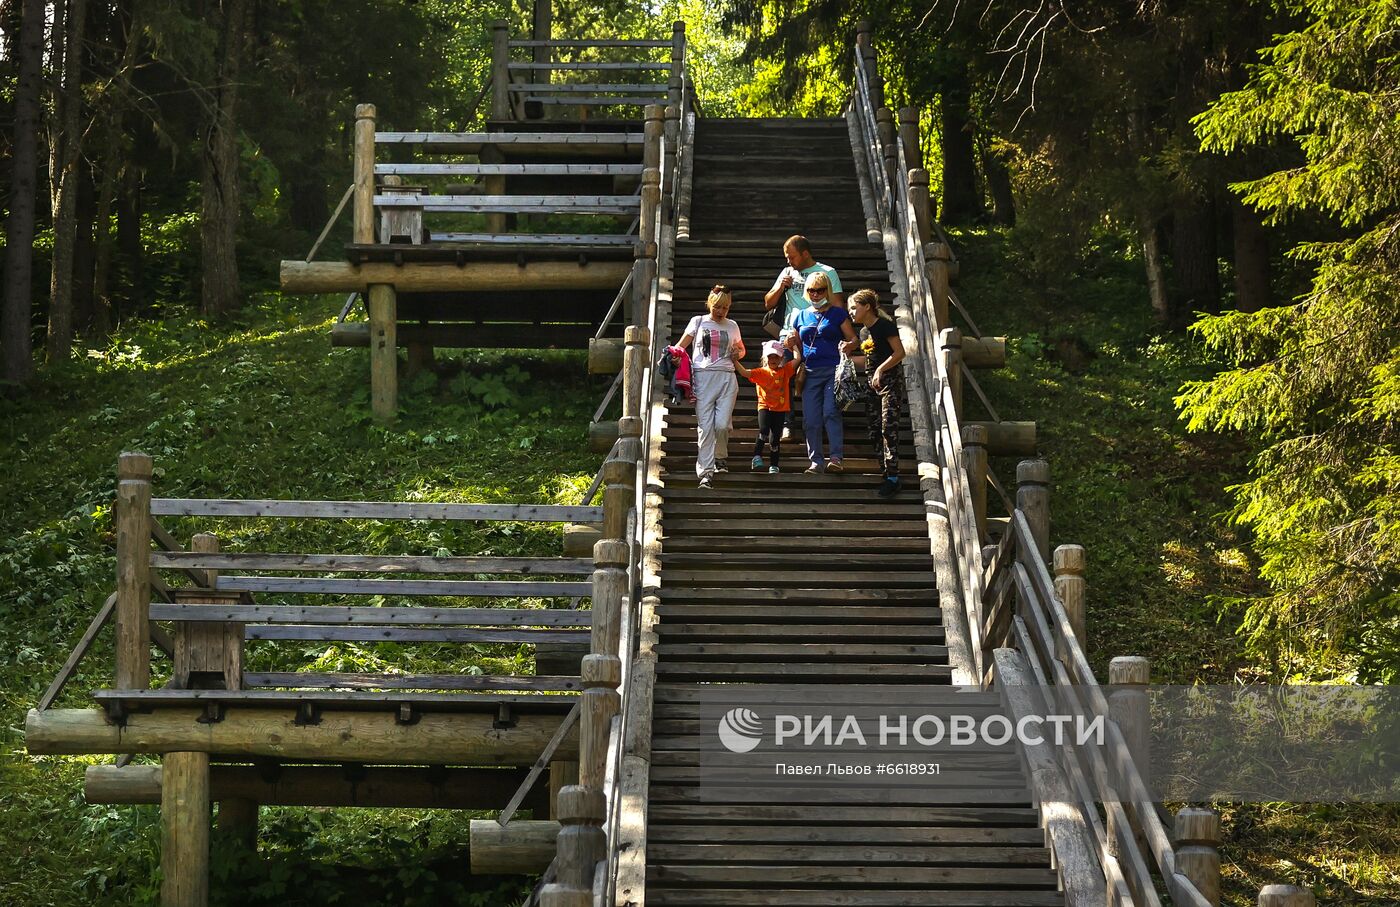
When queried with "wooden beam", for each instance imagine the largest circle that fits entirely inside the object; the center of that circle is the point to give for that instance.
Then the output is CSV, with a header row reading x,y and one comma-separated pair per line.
x,y
590,67
475,336
485,169
133,519
338,614
523,846
984,352
371,563
324,633
1009,439
373,510
340,735
307,785
347,586
478,139
344,277
609,43
533,683
518,204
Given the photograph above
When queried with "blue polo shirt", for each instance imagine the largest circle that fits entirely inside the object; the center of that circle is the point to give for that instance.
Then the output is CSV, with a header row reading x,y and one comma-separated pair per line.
x,y
820,332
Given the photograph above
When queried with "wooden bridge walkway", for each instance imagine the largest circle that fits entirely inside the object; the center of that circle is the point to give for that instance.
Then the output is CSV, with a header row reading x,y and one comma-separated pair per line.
x,y
791,578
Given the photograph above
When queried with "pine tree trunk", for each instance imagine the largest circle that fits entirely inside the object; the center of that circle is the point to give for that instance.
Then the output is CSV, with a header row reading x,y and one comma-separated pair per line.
x,y
84,253
17,313
999,187
1252,269
962,202
58,50
65,227
1151,238
1195,261
130,254
219,293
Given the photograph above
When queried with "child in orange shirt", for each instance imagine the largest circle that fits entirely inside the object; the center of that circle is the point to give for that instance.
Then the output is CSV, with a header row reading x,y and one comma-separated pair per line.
x,y
774,401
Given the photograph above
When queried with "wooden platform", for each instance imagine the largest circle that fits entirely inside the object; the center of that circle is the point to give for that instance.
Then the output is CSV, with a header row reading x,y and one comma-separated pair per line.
x,y
795,579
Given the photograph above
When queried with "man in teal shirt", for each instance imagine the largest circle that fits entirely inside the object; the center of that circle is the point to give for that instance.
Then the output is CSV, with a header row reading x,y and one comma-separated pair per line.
x,y
787,289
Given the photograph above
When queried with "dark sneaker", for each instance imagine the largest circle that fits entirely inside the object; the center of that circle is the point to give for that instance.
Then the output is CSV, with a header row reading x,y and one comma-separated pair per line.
x,y
756,463
889,488
721,466
834,466
814,470
705,482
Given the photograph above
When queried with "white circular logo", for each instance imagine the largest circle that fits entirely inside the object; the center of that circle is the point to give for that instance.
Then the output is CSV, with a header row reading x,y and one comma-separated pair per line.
x,y
740,730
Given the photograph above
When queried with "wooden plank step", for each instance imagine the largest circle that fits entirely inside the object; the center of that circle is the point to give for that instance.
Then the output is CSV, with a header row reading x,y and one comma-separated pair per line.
x,y
367,615
731,633
682,465
833,493
927,615
853,599
662,895
834,526
977,816
662,833
835,793
695,750
801,579
792,652
797,673
695,853
784,508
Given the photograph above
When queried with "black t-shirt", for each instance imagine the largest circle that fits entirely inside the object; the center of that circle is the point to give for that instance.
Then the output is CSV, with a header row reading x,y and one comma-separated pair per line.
x,y
880,333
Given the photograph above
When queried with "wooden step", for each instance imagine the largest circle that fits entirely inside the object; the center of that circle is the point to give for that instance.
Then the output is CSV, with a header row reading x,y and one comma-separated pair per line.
x,y
865,672
798,652
662,833
664,895
695,853
679,610
729,634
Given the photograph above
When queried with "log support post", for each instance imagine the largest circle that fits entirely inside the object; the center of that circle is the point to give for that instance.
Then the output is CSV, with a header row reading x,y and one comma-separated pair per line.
x,y
677,51
950,348
184,815
651,205
1286,896
383,351
495,184
1033,500
1068,561
1128,708
918,195
237,822
865,42
133,517
1198,850
363,230
668,175
974,439
500,70
937,259
884,127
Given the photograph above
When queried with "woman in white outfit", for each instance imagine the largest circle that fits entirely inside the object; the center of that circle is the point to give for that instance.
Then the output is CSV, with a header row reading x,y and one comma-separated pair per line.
x,y
714,342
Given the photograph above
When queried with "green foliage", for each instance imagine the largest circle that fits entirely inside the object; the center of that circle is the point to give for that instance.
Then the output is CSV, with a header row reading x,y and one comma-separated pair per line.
x,y
261,409
1315,383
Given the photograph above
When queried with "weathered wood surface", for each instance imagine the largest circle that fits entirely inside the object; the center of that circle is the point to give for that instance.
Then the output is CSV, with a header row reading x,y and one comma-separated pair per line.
x,y
423,277
185,825
595,67
523,846
393,616
370,563
509,138
522,204
536,239
305,785
323,633
405,587
611,42
374,510
342,680
623,101
484,169
376,737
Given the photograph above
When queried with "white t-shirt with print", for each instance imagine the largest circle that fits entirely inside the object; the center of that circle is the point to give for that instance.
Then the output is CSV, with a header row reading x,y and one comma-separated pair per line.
x,y
712,343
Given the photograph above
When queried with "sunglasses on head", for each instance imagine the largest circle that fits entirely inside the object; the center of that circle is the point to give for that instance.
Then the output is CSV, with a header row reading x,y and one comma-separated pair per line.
x,y
719,288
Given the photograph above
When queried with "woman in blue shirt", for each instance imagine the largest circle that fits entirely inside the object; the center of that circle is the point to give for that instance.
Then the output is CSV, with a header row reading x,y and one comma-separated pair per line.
x,y
817,333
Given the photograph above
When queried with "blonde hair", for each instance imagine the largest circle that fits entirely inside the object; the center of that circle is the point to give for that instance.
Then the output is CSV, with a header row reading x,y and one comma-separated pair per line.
x,y
717,293
817,278
872,299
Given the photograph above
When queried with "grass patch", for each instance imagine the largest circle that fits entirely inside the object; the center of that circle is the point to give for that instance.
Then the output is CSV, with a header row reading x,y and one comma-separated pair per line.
x,y
264,409
1147,500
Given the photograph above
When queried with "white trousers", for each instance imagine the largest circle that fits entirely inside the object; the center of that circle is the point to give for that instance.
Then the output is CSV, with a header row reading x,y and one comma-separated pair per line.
x,y
715,393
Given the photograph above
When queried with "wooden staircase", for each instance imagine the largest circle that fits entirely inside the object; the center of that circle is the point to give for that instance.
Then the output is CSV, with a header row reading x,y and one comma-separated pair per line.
x,y
791,578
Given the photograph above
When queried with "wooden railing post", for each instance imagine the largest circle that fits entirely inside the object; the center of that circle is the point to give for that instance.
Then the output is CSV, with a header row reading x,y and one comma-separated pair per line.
x,y
634,363
133,519
500,70
581,844
365,116
918,196
651,206
1068,562
974,438
1286,896
1198,850
1128,708
865,41
677,54
668,177
1033,499
884,127
909,138
207,653
184,817
937,257
643,272
652,130
950,348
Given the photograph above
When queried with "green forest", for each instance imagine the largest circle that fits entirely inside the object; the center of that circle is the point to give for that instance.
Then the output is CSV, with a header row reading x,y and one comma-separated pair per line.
x,y
1184,215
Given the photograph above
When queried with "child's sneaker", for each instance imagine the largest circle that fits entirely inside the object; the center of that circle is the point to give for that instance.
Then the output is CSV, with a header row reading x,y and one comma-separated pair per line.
x,y
889,488
757,463
721,466
705,482
772,470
